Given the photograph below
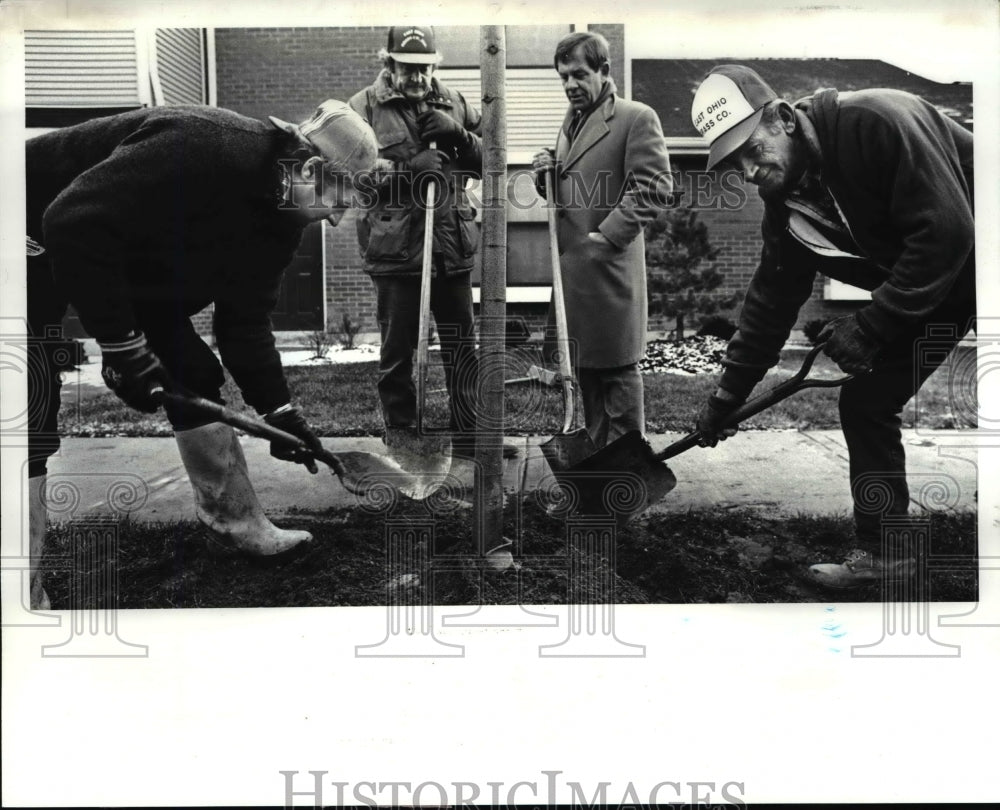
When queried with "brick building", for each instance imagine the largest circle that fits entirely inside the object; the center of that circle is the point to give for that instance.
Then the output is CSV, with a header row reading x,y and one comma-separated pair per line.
x,y
732,210
287,71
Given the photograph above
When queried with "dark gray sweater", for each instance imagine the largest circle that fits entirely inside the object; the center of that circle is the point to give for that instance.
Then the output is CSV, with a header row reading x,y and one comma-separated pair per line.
x,y
167,210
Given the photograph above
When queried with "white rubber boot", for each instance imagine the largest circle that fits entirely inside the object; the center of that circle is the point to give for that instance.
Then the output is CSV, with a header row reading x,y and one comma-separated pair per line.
x,y
225,500
37,513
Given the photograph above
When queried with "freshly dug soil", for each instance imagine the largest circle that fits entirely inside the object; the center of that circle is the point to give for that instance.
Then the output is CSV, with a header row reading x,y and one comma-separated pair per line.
x,y
690,557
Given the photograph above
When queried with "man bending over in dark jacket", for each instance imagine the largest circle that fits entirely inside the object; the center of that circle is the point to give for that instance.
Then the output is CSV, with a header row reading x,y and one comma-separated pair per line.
x,y
873,188
143,219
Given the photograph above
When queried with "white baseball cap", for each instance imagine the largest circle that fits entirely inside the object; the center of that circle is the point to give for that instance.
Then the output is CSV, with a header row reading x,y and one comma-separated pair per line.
x,y
339,134
727,108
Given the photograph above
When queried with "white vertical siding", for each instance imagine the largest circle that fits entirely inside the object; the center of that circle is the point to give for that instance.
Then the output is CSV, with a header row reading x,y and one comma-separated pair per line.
x,y
180,65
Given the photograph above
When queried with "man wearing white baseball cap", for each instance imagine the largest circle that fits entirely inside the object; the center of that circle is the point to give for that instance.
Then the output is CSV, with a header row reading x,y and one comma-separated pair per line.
x,y
873,188
728,107
143,219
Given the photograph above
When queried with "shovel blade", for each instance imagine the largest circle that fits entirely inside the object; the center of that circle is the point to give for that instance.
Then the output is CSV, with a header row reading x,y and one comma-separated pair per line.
x,y
566,450
424,459
543,375
620,480
375,477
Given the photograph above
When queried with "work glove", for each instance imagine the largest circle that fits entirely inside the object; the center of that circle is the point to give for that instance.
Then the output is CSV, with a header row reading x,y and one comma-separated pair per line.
x,y
436,125
848,345
426,166
429,160
711,417
289,419
133,372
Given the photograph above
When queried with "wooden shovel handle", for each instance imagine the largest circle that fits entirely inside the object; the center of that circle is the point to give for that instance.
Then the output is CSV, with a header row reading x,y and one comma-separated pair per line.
x,y
559,303
424,321
254,427
783,390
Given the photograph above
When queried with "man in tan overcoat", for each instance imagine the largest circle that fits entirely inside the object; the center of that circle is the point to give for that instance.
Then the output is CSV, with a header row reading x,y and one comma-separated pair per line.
x,y
613,176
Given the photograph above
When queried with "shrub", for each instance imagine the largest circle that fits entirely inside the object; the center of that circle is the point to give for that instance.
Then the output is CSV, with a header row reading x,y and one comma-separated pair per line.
x,y
813,328
683,282
717,326
320,342
348,331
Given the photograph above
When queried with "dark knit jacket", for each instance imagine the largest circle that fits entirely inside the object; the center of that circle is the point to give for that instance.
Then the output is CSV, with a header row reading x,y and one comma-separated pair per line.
x,y
158,213
902,176
391,228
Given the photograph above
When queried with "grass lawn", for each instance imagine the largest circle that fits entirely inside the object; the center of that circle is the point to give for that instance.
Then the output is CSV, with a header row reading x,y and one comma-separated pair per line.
x,y
733,555
340,400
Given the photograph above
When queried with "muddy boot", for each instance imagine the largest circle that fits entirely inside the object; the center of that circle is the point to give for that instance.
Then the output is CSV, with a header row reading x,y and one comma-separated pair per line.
x,y
225,500
37,513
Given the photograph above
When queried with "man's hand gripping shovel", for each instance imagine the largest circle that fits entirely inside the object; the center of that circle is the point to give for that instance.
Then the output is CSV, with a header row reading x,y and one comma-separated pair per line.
x,y
424,456
630,459
360,473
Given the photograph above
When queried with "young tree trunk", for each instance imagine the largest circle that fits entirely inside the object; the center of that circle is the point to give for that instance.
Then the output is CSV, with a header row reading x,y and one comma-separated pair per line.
x,y
679,328
488,499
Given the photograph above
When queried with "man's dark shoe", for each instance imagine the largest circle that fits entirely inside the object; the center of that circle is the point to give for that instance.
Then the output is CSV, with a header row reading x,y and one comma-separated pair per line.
x,y
862,568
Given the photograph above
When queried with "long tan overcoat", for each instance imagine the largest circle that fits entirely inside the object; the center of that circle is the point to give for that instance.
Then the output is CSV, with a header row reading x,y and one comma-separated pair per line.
x,y
614,178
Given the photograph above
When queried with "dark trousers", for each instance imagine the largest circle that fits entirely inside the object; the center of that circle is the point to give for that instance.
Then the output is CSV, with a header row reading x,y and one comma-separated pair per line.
x,y
170,334
871,404
47,353
612,402
398,312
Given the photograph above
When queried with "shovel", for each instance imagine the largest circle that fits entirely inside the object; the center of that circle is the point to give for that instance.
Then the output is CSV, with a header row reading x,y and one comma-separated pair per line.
x,y
626,476
536,374
360,473
568,448
423,455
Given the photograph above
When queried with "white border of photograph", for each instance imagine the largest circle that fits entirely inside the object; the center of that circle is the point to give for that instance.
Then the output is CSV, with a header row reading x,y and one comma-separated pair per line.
x,y
749,696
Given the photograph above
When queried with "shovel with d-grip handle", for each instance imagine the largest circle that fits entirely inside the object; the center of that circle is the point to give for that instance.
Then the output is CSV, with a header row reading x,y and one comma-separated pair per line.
x,y
569,447
425,455
629,458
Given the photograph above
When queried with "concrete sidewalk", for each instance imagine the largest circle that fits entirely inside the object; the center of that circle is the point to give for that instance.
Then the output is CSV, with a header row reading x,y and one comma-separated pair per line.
x,y
783,472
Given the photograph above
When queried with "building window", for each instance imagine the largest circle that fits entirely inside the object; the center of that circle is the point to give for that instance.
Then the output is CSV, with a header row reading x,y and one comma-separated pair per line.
x,y
536,106
74,76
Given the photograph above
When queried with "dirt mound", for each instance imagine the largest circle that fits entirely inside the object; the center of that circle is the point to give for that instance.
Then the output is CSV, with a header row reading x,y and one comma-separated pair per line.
x,y
414,556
